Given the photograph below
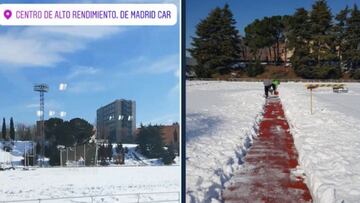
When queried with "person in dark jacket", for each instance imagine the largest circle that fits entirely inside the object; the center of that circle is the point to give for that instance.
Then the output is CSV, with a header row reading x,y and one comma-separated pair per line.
x,y
267,85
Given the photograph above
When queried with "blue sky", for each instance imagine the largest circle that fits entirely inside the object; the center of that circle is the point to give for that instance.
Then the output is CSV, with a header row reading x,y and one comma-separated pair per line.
x,y
246,11
98,64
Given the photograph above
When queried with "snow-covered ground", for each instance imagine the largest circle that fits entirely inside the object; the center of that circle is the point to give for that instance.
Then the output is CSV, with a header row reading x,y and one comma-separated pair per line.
x,y
221,119
137,175
85,181
222,116
16,155
328,141
134,158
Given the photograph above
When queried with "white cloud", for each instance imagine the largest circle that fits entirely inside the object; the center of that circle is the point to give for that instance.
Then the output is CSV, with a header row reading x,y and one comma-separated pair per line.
x,y
81,71
166,64
174,91
165,119
177,73
46,46
30,106
21,51
81,87
84,32
49,104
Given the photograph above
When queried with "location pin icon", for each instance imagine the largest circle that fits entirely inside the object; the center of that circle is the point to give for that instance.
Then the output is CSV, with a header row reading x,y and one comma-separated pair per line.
x,y
7,14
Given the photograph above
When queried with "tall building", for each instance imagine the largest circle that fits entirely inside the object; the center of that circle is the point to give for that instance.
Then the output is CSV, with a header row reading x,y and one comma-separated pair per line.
x,y
116,121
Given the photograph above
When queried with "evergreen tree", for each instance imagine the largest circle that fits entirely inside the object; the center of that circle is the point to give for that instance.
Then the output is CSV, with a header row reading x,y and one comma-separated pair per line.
x,y
51,126
3,132
54,155
110,151
28,134
299,37
322,46
340,30
276,30
119,148
12,129
169,155
81,130
150,141
298,30
257,37
217,42
68,133
100,152
38,149
64,135
351,52
312,38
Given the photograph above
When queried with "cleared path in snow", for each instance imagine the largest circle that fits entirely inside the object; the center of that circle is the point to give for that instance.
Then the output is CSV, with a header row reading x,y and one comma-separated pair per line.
x,y
269,173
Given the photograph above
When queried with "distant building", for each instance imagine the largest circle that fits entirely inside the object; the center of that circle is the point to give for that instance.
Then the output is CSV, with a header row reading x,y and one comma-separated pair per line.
x,y
267,55
116,121
170,134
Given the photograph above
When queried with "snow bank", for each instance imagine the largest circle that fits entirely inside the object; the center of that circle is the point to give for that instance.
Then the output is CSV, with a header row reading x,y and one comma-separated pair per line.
x,y
16,155
328,141
221,118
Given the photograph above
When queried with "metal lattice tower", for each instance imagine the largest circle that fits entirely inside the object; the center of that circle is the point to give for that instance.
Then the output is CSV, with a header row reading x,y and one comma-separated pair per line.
x,y
42,88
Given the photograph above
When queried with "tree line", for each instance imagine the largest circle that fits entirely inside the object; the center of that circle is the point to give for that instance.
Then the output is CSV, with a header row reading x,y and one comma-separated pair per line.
x,y
4,131
151,144
317,43
70,133
105,153
17,131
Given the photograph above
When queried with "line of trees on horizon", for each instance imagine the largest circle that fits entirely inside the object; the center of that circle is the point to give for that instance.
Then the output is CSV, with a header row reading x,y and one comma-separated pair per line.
x,y
4,131
70,133
322,45
17,131
151,145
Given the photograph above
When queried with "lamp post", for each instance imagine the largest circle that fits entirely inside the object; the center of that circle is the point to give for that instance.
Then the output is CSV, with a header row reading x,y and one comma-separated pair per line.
x,y
61,148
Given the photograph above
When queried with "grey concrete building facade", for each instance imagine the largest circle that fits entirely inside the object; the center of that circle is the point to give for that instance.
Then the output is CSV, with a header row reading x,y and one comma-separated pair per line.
x,y
116,121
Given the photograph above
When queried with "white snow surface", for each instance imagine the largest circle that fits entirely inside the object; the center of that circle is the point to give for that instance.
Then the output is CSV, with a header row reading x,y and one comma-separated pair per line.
x,y
328,141
84,181
221,120
16,155
222,117
138,175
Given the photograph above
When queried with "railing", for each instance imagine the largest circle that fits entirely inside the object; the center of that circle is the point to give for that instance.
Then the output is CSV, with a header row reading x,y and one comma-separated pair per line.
x,y
154,197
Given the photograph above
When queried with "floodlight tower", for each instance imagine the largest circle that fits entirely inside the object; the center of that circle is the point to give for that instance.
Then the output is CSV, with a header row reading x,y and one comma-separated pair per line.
x,y
42,88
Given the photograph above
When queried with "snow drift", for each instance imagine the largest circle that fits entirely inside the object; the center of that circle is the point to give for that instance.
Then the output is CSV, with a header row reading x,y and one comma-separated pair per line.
x,y
221,119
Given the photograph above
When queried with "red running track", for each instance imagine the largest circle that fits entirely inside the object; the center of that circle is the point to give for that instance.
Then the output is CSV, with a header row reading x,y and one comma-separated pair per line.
x,y
268,170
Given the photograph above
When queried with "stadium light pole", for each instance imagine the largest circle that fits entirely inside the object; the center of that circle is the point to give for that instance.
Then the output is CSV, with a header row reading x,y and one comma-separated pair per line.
x,y
42,88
